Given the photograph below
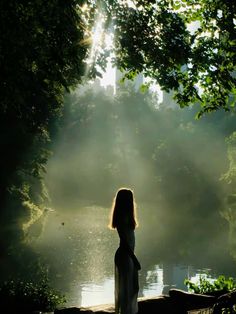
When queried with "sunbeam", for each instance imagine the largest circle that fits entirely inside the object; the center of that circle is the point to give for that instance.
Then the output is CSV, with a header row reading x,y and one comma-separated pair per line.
x,y
97,38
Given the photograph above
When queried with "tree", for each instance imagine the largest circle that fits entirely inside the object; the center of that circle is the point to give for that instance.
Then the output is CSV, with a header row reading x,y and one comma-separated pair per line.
x,y
186,46
42,55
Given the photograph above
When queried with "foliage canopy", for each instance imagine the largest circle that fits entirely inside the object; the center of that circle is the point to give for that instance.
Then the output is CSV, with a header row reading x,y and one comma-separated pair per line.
x,y
40,57
186,46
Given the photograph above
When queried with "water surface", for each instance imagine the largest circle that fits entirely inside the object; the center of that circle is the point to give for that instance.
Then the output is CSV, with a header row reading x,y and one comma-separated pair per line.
x,y
79,248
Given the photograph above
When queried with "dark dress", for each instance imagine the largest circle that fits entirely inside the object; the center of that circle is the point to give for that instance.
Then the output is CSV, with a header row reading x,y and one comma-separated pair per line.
x,y
126,273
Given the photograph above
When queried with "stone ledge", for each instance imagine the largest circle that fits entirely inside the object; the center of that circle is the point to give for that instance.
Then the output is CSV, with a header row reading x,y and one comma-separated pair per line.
x,y
177,302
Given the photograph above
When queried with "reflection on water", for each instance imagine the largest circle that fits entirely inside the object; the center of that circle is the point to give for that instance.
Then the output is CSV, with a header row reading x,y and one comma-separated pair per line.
x,y
95,294
154,282
78,248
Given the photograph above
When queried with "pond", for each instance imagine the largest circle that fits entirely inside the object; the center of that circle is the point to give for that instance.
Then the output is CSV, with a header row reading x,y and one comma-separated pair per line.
x,y
79,248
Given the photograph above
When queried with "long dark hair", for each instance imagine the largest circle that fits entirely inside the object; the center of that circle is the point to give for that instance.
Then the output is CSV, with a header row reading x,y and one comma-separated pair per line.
x,y
123,209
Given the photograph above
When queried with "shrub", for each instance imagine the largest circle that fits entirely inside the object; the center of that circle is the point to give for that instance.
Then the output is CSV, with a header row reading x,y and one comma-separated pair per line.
x,y
222,285
205,286
17,296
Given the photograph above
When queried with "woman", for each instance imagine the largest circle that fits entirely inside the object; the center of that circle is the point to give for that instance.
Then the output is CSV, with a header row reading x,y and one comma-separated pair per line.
x,y
123,219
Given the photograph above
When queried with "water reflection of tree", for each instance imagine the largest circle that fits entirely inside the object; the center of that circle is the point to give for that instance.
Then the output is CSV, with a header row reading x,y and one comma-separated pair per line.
x,y
229,206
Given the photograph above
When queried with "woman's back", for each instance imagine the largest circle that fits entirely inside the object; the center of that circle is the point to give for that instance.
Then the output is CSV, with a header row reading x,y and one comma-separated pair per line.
x,y
127,237
126,263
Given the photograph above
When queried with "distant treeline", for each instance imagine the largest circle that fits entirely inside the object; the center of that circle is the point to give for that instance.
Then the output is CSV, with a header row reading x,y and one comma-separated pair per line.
x,y
162,152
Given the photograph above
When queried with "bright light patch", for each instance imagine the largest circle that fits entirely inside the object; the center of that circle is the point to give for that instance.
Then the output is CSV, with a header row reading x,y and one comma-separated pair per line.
x,y
155,282
95,294
196,279
97,34
130,3
97,37
109,76
155,88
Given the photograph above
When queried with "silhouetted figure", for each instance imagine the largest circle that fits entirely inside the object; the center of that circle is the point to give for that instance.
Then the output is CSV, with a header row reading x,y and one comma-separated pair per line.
x,y
126,264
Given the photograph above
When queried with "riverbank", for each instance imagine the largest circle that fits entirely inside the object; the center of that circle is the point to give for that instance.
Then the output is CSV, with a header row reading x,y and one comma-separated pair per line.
x,y
176,302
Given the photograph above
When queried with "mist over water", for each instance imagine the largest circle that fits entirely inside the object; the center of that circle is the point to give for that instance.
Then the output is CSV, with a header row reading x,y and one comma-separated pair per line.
x,y
171,161
79,250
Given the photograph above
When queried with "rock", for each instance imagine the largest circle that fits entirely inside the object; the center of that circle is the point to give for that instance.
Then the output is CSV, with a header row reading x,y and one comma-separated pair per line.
x,y
190,301
160,304
227,300
69,310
